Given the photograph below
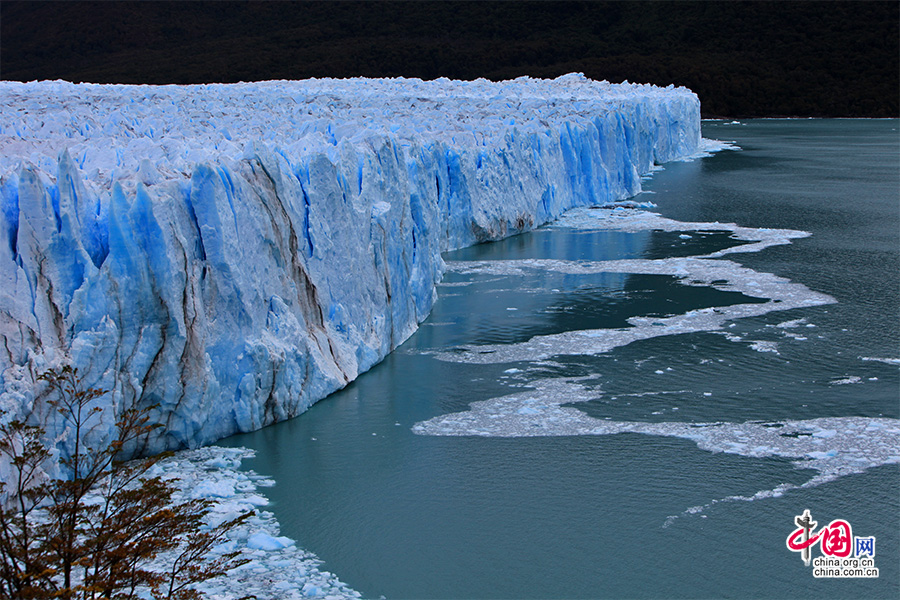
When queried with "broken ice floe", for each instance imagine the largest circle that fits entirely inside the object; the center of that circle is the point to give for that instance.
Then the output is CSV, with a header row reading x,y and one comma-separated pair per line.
x,y
833,446
792,324
764,346
785,329
634,221
278,569
889,361
782,294
846,380
621,204
707,147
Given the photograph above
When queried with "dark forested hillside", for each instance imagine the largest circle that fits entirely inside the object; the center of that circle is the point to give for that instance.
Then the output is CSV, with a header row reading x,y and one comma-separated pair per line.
x,y
742,58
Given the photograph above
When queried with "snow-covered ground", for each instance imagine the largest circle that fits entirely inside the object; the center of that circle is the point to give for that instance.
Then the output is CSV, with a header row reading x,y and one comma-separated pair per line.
x,y
234,253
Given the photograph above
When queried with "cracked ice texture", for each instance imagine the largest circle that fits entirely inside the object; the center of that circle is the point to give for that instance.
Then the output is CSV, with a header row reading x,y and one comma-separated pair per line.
x,y
234,253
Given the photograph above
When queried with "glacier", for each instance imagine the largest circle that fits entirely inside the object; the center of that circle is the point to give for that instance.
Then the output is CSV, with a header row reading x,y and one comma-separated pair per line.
x,y
231,254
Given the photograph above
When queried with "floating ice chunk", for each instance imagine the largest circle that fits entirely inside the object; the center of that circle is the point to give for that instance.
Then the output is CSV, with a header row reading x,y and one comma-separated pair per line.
x,y
889,361
791,324
268,543
763,346
623,205
825,433
846,380
214,489
708,147
225,547
794,336
819,454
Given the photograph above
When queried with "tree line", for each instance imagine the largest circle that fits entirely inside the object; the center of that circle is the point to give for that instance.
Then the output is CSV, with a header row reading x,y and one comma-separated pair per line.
x,y
744,59
79,521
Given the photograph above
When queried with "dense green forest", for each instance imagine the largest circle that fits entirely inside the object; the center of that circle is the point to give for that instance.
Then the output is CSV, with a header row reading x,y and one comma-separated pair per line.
x,y
742,58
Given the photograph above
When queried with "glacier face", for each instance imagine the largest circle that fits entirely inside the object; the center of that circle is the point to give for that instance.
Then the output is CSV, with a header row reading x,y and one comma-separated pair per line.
x,y
233,253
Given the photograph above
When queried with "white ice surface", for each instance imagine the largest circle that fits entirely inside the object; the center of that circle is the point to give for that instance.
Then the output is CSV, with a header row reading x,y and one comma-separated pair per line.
x,y
888,361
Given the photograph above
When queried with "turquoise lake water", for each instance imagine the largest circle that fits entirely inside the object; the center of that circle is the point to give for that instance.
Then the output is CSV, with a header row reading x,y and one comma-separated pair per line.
x,y
396,512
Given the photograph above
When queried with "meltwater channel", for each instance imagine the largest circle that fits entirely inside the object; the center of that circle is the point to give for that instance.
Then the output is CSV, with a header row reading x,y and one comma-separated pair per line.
x,y
405,489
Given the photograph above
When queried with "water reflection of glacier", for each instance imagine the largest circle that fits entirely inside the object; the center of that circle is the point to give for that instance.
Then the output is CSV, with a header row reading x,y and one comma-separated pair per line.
x,y
702,271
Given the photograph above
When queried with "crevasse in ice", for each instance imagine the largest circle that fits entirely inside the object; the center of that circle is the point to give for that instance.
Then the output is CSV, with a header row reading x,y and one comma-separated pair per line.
x,y
233,253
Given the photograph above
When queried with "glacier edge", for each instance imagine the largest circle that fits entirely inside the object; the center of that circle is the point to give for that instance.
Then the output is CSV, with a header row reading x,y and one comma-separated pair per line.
x,y
232,254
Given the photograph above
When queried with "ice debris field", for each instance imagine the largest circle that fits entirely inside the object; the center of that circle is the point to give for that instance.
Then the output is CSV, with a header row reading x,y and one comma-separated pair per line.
x,y
234,253
833,447
277,569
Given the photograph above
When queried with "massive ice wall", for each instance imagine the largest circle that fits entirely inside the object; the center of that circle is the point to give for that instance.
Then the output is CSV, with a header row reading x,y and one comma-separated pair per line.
x,y
234,253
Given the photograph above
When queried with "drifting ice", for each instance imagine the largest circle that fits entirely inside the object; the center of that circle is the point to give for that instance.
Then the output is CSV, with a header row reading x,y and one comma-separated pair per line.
x,y
234,253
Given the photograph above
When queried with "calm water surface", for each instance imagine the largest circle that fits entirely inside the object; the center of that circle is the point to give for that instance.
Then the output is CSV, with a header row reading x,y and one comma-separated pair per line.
x,y
413,516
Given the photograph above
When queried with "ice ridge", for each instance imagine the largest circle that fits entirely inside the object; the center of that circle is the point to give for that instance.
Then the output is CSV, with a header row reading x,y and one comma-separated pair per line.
x,y
233,253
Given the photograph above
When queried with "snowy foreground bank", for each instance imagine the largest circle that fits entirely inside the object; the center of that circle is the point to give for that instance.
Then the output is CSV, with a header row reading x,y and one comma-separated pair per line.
x,y
234,253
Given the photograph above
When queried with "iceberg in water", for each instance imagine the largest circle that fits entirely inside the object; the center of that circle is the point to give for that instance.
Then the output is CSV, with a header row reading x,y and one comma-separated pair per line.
x,y
233,253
